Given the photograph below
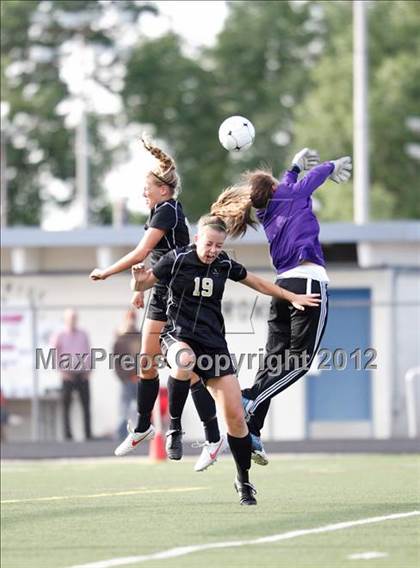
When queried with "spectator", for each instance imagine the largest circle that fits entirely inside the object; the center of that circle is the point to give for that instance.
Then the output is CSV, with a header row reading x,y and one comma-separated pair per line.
x,y
127,343
72,344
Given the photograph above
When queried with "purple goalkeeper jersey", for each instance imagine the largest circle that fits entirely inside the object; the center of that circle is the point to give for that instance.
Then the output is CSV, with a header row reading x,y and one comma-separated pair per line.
x,y
289,223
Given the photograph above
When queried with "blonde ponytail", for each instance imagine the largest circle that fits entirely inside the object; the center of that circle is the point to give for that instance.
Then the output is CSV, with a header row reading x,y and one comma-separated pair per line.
x,y
235,208
165,171
235,204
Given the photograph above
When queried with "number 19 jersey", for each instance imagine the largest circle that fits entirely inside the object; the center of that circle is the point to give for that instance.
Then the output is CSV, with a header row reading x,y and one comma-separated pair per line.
x,y
195,294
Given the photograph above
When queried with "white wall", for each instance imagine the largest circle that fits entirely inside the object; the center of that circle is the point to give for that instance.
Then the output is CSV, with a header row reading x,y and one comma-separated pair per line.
x,y
407,344
101,306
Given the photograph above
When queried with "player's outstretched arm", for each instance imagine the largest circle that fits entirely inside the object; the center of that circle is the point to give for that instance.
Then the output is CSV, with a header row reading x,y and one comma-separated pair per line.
x,y
338,170
150,239
265,287
142,279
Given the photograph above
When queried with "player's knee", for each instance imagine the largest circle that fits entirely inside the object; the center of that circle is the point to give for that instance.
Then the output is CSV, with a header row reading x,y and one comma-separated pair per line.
x,y
195,381
185,359
235,420
148,367
149,373
145,362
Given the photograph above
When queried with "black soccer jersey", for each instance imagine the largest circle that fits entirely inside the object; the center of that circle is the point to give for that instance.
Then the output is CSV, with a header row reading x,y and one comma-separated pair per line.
x,y
168,216
195,294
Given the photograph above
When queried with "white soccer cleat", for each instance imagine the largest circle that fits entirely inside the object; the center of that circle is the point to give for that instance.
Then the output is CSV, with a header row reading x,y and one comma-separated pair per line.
x,y
210,452
134,439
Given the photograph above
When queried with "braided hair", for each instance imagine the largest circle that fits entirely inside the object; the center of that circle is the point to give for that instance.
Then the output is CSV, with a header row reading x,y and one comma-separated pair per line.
x,y
165,171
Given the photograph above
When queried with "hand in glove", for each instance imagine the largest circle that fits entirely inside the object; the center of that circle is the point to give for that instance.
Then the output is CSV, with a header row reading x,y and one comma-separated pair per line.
x,y
342,169
306,159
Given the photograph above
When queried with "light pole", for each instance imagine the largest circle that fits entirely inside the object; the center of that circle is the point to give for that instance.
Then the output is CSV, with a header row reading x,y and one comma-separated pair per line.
x,y
413,149
3,163
81,149
76,69
360,113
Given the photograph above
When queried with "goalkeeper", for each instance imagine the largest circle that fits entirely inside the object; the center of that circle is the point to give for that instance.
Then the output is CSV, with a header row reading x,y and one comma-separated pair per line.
x,y
284,208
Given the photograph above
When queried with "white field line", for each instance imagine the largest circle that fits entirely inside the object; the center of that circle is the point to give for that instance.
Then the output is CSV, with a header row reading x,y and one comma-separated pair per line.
x,y
367,555
99,495
144,460
88,461
184,550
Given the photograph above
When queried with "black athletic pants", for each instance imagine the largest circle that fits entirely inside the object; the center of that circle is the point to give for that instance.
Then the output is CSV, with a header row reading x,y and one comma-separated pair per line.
x,y
80,383
294,337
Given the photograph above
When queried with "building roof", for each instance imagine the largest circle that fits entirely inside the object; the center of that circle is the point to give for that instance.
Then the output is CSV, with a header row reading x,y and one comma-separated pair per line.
x,y
129,235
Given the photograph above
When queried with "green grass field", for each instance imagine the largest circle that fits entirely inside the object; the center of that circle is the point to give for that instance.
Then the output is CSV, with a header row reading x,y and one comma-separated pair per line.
x,y
61,514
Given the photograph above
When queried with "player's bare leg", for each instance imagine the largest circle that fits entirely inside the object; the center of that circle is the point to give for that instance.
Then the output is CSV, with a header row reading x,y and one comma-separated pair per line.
x,y
147,388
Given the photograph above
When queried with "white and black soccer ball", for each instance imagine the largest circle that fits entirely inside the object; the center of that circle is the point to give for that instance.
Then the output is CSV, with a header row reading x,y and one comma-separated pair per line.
x,y
236,133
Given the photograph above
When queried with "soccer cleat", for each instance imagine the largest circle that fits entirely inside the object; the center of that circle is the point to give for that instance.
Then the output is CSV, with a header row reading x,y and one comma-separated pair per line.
x,y
134,439
174,444
210,452
246,492
258,454
247,403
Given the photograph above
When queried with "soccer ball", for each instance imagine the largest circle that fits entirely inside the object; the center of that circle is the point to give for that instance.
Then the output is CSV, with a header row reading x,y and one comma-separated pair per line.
x,y
236,133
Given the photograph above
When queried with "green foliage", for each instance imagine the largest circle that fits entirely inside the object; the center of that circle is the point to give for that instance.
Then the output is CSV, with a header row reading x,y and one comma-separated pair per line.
x,y
286,66
135,218
259,62
174,94
39,143
325,118
185,99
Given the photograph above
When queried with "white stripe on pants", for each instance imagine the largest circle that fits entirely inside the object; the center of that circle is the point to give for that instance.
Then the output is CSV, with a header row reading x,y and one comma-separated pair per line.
x,y
290,377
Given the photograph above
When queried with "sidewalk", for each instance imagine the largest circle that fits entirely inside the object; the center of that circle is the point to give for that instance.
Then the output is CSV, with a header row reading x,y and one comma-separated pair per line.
x,y
105,448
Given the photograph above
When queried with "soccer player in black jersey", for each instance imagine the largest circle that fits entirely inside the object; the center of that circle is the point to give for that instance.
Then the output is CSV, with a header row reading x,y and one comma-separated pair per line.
x,y
166,229
194,336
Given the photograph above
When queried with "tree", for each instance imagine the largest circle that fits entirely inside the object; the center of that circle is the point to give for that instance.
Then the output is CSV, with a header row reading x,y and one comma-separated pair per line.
x,y
186,99
325,118
259,61
39,132
173,93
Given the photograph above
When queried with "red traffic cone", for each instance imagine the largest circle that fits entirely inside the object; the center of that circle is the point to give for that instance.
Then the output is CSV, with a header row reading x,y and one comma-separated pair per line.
x,y
157,450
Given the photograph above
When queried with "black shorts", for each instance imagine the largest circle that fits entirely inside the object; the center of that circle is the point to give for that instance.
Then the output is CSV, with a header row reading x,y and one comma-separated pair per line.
x,y
158,302
211,362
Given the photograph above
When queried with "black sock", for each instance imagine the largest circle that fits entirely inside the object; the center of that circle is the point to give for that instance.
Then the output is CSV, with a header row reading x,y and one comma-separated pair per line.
x,y
178,393
241,452
147,393
256,422
206,409
253,428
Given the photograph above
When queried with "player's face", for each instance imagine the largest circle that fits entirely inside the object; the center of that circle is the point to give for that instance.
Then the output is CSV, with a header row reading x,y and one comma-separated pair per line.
x,y
209,244
153,192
